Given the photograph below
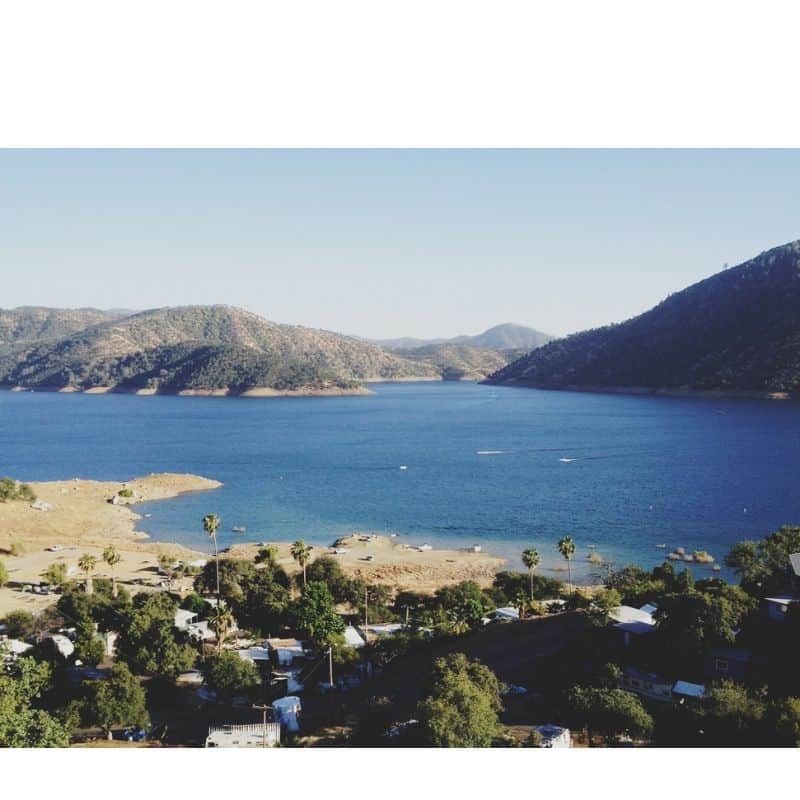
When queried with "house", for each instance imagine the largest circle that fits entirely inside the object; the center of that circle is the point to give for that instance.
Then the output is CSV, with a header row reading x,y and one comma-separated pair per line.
x,y
11,648
731,663
285,651
286,712
648,685
505,614
381,629
554,736
630,621
292,684
353,638
255,653
62,644
255,735
683,690
777,607
183,618
201,631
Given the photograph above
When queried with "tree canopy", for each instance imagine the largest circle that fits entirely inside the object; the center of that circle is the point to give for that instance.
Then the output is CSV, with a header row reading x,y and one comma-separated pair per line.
x,y
462,707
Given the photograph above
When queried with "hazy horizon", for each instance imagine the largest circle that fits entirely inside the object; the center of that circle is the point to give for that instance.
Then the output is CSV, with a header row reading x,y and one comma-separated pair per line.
x,y
385,244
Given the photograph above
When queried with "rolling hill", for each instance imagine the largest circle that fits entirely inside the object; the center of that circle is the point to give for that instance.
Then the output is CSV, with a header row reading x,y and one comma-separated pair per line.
x,y
199,349
29,324
735,332
460,362
507,336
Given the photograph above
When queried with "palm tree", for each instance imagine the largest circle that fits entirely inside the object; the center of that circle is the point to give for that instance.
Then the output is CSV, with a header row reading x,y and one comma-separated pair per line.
x,y
301,553
112,557
567,549
221,620
520,601
530,558
87,563
211,523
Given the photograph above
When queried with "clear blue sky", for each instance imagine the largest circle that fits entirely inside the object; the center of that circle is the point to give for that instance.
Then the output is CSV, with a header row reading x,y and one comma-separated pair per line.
x,y
387,243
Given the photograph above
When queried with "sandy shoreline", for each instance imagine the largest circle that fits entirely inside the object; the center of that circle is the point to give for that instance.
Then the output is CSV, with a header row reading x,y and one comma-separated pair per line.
x,y
255,391
82,520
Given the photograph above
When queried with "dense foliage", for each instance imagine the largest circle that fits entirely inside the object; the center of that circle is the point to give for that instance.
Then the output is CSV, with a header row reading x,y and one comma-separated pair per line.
x,y
462,707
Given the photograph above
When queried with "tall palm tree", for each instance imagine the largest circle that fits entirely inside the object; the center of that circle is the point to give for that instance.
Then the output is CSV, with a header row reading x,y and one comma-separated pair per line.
x,y
112,557
530,558
566,547
211,523
221,620
86,564
301,553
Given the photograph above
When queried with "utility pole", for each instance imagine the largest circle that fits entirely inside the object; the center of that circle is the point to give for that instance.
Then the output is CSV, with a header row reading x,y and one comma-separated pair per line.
x,y
330,666
263,709
366,623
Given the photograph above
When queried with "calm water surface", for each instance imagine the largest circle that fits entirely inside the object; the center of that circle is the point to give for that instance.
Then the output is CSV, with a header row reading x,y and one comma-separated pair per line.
x,y
483,465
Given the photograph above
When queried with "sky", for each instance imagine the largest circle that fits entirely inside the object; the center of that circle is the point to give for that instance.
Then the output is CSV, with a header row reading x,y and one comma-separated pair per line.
x,y
385,243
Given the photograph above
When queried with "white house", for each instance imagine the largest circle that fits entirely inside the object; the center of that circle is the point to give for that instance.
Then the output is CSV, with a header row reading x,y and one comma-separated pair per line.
x,y
554,736
255,735
11,648
632,621
778,607
353,638
285,651
183,618
505,613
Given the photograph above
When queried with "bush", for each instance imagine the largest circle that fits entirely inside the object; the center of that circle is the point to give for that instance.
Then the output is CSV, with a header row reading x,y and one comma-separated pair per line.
x,y
19,624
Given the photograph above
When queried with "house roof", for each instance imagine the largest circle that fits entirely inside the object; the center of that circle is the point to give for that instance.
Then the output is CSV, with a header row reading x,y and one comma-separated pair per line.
x,y
507,612
15,646
285,644
782,599
183,617
352,637
649,608
689,689
632,620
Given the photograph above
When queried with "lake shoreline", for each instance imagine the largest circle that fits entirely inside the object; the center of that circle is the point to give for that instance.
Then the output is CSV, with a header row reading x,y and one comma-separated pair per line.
x,y
647,391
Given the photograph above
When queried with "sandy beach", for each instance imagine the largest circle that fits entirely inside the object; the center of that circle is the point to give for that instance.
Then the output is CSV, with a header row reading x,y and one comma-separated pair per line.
x,y
380,559
80,519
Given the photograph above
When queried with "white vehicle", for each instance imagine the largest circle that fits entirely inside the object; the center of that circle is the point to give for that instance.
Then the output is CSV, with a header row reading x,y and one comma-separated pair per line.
x,y
54,548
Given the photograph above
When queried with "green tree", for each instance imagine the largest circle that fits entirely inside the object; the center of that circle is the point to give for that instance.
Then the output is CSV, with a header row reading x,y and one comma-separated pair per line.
x,y
19,624
149,641
267,555
610,711
118,701
221,620
89,647
462,708
112,557
166,562
531,560
3,575
21,724
785,721
55,574
313,613
763,566
733,715
566,547
211,523
301,553
227,674
87,563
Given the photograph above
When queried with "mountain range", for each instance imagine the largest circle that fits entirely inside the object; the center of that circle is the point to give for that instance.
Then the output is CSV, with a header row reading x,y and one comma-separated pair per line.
x,y
735,332
191,349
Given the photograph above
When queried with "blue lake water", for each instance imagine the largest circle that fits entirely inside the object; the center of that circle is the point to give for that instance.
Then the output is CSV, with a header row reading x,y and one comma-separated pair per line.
x,y
696,473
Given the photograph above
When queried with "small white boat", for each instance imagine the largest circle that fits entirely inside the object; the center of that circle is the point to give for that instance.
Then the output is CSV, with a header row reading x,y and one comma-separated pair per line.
x,y
661,546
239,529
403,466
566,460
